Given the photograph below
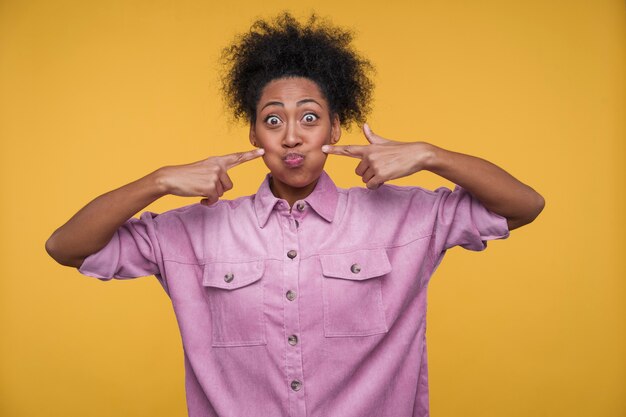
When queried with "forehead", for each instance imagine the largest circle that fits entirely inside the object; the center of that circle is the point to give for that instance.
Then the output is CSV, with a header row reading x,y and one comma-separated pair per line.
x,y
291,89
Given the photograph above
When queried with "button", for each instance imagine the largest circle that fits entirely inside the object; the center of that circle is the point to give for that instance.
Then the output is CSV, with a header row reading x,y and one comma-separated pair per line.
x,y
296,385
229,277
297,223
292,254
291,295
355,268
292,340
300,206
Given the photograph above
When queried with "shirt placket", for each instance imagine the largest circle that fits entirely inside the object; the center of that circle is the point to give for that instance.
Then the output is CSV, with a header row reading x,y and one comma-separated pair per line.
x,y
291,268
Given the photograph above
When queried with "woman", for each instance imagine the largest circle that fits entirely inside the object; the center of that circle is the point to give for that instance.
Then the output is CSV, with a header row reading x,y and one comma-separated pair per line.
x,y
303,299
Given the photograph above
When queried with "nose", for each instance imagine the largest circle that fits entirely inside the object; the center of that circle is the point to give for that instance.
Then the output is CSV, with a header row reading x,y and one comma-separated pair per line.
x,y
292,136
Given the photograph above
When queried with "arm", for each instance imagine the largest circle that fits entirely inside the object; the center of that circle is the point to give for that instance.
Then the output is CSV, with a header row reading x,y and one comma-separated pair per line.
x,y
496,189
93,226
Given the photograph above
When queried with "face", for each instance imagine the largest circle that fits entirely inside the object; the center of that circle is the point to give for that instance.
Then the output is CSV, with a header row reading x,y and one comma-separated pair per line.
x,y
293,121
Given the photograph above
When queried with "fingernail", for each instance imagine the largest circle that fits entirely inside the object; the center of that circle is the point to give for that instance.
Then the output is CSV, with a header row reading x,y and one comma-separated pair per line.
x,y
261,151
325,148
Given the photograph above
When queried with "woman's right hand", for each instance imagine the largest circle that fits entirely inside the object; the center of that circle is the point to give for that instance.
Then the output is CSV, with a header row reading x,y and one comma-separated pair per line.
x,y
206,178
93,226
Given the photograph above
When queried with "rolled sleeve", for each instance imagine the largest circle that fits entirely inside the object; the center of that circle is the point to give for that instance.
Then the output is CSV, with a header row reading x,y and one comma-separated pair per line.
x,y
463,221
132,252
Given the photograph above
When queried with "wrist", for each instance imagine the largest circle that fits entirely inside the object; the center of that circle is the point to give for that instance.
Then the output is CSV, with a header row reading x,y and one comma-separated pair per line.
x,y
429,156
158,182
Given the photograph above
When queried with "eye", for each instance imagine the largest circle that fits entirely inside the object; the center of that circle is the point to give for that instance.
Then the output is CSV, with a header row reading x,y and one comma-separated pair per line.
x,y
272,120
310,117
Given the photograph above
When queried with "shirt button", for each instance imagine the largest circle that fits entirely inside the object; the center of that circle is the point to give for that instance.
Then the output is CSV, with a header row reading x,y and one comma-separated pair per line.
x,y
355,268
229,277
300,206
291,295
296,385
297,223
292,340
292,254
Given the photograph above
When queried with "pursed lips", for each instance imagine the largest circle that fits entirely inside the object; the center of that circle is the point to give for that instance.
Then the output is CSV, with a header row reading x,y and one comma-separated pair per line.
x,y
293,159
293,155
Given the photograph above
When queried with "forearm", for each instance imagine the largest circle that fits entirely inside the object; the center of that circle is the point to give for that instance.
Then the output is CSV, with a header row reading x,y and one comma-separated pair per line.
x,y
495,188
93,226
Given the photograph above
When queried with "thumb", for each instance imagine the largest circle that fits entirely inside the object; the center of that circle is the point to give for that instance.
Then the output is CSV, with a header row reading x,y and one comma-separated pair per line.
x,y
371,136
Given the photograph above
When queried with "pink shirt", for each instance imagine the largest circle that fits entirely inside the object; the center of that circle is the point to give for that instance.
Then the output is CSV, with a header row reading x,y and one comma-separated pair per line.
x,y
317,312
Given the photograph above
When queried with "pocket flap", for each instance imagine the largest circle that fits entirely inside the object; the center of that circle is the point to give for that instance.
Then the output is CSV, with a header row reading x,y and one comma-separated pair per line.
x,y
357,265
231,275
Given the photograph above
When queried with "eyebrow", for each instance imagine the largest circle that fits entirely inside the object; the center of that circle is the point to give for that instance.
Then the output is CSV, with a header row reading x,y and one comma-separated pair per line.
x,y
299,103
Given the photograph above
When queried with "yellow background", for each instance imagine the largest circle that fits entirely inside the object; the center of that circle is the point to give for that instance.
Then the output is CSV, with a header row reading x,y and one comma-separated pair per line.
x,y
94,95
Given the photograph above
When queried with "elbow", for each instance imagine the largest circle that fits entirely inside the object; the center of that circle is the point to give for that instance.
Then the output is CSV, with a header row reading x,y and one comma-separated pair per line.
x,y
535,207
50,248
56,254
539,203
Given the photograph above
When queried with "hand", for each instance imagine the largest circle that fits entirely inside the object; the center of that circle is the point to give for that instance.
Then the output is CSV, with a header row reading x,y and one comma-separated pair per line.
x,y
207,178
383,159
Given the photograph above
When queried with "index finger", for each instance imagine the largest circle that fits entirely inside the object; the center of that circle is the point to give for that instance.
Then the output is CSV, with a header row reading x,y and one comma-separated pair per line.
x,y
234,159
354,151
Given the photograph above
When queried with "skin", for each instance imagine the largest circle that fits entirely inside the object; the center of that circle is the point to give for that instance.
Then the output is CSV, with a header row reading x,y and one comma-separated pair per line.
x,y
384,159
282,127
93,226
293,116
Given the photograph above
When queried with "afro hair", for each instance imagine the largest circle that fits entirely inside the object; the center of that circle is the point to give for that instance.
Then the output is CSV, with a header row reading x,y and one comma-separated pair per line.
x,y
283,47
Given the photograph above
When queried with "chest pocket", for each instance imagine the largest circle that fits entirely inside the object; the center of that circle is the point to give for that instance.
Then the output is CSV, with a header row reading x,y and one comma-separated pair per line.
x,y
236,301
352,292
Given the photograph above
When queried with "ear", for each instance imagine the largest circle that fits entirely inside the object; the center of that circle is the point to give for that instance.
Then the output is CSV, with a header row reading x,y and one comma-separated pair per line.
x,y
252,136
335,130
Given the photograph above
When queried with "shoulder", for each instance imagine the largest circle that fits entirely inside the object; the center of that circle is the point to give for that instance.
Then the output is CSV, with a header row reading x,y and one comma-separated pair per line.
x,y
399,205
394,214
199,213
394,195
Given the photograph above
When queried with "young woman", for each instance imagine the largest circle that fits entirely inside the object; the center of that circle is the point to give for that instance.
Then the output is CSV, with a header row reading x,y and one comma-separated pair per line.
x,y
303,299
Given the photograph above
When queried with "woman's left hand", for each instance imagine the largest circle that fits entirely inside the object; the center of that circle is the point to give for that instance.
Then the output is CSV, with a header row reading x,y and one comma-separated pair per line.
x,y
383,159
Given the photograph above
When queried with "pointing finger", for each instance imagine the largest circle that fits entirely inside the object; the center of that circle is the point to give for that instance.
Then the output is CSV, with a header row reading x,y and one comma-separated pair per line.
x,y
354,151
234,159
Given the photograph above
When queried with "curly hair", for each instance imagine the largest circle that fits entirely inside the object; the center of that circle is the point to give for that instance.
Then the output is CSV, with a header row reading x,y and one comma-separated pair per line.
x,y
283,47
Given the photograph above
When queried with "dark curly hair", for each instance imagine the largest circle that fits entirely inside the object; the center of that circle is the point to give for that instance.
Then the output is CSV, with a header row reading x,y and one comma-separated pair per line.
x,y
283,47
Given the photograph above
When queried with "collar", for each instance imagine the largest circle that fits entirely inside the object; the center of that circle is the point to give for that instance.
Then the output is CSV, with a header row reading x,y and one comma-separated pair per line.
x,y
323,199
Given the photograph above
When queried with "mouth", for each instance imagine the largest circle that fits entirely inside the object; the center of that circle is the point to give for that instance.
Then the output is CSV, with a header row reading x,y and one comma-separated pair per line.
x,y
293,160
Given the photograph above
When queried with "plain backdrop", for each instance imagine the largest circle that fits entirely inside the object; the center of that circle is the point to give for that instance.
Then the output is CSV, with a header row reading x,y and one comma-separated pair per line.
x,y
96,94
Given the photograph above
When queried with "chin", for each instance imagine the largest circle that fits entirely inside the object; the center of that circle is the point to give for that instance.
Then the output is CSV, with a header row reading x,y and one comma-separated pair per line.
x,y
297,178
